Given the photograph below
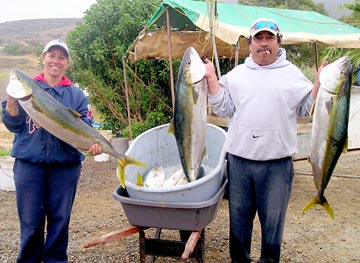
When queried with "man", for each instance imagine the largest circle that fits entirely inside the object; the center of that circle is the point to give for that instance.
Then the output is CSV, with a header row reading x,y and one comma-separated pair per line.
x,y
264,96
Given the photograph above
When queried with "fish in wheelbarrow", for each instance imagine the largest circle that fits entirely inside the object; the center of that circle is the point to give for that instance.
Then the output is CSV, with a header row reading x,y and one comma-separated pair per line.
x,y
330,126
177,178
155,177
60,121
190,113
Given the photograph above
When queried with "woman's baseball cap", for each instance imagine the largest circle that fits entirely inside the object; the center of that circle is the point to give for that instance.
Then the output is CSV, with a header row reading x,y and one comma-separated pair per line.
x,y
56,43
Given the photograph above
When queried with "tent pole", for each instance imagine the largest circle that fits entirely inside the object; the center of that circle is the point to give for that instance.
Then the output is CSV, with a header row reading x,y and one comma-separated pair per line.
x,y
170,59
236,54
211,8
127,99
316,51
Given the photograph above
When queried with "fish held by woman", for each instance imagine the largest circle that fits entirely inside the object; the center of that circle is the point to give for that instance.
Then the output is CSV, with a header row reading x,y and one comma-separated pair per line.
x,y
60,121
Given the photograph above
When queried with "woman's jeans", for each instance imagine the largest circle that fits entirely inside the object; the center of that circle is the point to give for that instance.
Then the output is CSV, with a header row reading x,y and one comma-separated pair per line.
x,y
44,194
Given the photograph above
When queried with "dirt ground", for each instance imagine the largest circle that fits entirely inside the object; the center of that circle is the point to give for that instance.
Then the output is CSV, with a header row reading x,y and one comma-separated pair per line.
x,y
308,238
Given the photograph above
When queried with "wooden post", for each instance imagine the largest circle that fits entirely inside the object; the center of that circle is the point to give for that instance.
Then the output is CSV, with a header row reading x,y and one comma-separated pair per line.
x,y
170,59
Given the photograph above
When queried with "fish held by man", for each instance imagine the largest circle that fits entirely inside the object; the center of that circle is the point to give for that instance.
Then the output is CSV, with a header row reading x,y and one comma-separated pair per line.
x,y
330,126
63,123
190,114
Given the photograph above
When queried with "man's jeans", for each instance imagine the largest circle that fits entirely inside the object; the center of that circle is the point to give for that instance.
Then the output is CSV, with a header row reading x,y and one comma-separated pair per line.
x,y
263,187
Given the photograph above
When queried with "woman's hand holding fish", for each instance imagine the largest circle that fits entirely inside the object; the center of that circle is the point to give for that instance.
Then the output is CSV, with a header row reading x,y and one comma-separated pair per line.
x,y
11,106
95,149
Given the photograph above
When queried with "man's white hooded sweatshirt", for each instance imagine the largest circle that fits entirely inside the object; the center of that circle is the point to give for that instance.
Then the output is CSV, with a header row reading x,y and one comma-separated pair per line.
x,y
263,103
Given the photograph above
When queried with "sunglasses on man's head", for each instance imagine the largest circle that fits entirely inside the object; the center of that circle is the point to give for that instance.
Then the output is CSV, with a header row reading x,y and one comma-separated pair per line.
x,y
265,24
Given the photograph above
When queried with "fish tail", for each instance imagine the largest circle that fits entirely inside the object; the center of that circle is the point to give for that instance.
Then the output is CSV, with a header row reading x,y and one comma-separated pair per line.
x,y
122,163
328,208
171,128
319,201
139,180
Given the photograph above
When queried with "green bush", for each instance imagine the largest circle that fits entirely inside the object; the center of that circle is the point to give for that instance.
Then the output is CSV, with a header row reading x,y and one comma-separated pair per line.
x,y
5,152
153,119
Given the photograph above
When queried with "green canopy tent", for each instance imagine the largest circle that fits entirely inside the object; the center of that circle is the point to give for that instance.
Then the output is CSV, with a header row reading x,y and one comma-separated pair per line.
x,y
189,24
178,24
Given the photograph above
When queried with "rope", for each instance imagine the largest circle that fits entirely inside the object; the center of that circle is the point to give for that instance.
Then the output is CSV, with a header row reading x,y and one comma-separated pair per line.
x,y
146,86
334,175
213,17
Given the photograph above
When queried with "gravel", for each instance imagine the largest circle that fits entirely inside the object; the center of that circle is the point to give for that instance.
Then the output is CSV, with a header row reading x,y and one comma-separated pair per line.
x,y
308,238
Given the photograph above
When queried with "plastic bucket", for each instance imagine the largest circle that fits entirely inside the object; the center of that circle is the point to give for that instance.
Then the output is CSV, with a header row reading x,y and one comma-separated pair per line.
x,y
7,174
104,157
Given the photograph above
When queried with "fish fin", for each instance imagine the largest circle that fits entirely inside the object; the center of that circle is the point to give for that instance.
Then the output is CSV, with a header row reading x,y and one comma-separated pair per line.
x,y
346,144
310,204
328,208
312,110
75,113
205,153
319,201
171,128
195,95
329,105
139,180
121,174
121,164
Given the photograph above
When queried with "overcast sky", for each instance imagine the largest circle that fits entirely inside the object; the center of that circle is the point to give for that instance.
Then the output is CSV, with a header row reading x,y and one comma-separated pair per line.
x,y
34,9
332,6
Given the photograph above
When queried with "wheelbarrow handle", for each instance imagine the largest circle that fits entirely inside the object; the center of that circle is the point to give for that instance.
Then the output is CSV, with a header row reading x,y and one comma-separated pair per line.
x,y
113,236
190,245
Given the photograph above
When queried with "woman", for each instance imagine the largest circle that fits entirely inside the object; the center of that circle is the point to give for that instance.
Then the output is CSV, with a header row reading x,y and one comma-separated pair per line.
x,y
46,169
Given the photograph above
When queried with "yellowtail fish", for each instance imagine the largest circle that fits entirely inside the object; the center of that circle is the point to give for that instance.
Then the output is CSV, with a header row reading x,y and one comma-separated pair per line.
x,y
190,114
330,126
63,123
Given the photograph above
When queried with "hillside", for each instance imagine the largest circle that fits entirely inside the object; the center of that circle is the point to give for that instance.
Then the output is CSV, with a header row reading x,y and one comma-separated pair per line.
x,y
25,32
36,30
